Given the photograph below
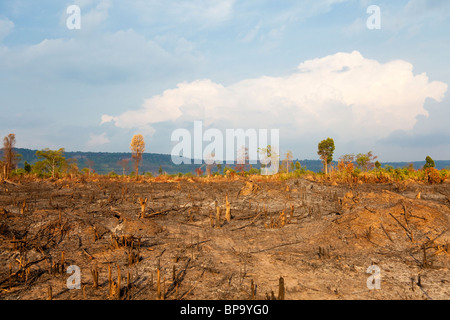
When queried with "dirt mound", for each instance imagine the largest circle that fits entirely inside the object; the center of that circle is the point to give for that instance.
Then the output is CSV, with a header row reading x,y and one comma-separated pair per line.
x,y
136,228
249,188
387,219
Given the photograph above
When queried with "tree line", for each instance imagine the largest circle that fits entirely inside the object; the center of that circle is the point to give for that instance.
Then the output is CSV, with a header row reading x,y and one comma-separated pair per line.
x,y
53,163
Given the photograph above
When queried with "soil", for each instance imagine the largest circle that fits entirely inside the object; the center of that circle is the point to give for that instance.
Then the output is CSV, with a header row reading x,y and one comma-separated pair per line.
x,y
319,239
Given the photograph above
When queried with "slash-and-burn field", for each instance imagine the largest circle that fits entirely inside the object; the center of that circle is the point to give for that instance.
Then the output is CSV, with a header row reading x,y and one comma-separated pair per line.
x,y
223,239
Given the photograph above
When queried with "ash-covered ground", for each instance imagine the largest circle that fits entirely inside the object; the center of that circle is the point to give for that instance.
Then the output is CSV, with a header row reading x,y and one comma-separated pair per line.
x,y
320,238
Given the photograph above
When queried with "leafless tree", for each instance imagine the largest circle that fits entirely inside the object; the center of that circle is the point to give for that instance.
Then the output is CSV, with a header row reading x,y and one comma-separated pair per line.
x,y
90,165
124,163
209,163
9,156
288,160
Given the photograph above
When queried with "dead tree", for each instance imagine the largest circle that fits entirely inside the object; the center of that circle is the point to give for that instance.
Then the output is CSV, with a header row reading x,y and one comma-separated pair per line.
x,y
9,156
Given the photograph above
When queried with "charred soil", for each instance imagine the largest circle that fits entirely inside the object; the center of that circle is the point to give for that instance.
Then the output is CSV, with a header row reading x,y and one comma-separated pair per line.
x,y
223,239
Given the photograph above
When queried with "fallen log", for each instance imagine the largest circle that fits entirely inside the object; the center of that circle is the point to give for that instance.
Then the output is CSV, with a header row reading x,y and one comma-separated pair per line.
x,y
10,182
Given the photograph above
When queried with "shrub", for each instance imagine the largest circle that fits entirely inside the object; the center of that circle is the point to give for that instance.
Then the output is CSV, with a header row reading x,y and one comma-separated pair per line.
x,y
18,172
112,174
232,172
432,175
299,172
401,174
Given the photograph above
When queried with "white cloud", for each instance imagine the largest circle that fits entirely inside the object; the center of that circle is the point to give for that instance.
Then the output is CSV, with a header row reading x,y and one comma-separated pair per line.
x,y
97,140
106,119
6,26
94,17
357,97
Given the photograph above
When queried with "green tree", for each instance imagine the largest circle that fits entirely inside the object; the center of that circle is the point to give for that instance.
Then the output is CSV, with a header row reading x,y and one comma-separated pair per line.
x,y
325,151
27,167
377,164
51,161
429,163
365,161
160,170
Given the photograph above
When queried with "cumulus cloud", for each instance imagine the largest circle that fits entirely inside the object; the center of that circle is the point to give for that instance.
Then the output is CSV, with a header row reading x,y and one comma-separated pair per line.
x,y
358,98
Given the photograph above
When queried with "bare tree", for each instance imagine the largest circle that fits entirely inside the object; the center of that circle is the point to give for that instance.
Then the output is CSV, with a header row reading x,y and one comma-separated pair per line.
x,y
72,167
365,161
242,159
2,170
288,160
269,155
90,164
209,161
137,149
124,164
9,156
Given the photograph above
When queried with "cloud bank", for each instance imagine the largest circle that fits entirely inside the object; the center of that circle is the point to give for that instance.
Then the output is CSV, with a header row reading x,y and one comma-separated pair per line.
x,y
357,98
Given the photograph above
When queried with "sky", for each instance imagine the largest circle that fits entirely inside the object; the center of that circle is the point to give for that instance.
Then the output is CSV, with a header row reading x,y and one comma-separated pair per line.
x,y
311,68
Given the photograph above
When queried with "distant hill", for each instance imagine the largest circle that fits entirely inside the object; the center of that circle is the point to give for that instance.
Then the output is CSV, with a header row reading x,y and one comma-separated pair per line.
x,y
106,162
440,164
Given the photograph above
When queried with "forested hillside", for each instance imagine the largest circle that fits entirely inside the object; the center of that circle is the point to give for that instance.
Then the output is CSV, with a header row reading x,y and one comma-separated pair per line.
x,y
105,162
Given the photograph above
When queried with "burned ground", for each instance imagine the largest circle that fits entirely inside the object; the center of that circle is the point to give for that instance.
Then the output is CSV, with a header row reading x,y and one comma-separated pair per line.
x,y
319,238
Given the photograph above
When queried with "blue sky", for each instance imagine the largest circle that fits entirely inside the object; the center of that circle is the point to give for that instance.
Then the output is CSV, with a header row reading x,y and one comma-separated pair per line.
x,y
309,68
